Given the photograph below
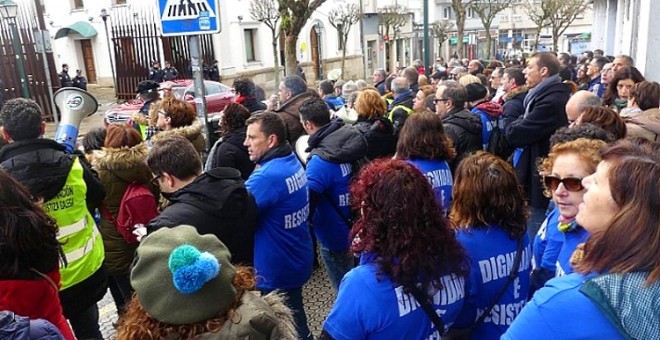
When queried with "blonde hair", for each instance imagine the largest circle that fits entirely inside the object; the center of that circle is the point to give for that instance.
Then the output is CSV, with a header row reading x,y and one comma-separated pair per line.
x,y
369,104
469,79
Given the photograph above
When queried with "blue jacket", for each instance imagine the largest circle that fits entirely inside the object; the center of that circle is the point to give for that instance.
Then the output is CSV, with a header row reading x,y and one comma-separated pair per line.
x,y
283,251
17,327
492,253
368,306
334,147
560,311
334,103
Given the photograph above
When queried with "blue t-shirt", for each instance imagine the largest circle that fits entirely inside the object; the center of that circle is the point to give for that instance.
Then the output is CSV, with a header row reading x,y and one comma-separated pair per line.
x,y
547,242
283,252
333,178
439,175
570,242
368,306
334,103
560,311
492,253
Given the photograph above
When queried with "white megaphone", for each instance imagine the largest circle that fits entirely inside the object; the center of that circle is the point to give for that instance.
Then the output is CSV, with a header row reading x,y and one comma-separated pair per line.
x,y
74,104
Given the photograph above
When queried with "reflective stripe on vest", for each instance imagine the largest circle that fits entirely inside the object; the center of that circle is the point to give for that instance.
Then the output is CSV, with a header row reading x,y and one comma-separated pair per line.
x,y
408,110
81,242
143,131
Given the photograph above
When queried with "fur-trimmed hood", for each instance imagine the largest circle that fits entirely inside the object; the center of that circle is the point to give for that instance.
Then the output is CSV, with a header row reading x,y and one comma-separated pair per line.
x,y
123,162
513,93
193,133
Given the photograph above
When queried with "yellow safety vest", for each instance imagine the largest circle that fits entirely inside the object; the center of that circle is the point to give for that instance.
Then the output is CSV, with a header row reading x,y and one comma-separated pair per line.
x,y
408,110
143,131
78,234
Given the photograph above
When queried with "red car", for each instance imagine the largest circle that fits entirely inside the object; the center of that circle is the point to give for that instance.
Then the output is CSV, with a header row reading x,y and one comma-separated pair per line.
x,y
218,96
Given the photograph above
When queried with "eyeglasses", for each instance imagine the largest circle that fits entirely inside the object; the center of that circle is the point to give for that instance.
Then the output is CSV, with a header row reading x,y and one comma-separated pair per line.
x,y
154,181
161,112
570,183
437,100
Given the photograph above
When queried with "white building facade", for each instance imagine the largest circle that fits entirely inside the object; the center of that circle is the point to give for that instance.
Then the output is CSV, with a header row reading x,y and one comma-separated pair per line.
x,y
243,47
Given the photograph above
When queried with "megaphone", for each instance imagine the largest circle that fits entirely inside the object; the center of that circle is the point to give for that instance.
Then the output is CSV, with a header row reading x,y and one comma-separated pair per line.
x,y
74,104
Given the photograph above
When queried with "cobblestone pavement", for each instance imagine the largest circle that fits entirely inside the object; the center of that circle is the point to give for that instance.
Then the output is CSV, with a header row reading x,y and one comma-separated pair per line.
x,y
318,296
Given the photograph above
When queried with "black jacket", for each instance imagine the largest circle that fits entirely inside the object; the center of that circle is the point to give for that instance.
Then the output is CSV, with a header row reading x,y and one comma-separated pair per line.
x,y
65,79
217,203
230,152
253,105
464,129
379,133
513,105
338,143
43,167
532,132
399,115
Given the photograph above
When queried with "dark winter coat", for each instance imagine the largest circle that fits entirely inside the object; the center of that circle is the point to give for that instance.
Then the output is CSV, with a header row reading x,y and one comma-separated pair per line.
x,y
399,115
289,111
170,73
80,82
338,143
379,133
545,114
217,203
43,167
513,104
230,152
251,103
117,168
17,327
156,74
464,129
65,79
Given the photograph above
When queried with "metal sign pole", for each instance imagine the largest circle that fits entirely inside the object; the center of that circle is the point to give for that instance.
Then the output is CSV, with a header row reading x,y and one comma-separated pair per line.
x,y
195,46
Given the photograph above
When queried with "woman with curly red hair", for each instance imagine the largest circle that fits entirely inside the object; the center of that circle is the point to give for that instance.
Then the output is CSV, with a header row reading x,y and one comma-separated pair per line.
x,y
407,249
491,215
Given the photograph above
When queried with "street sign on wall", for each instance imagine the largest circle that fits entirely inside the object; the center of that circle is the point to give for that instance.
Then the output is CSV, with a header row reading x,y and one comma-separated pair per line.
x,y
189,17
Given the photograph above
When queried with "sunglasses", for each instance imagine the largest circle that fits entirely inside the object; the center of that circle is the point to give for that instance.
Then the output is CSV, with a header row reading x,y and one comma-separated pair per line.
x,y
154,181
570,183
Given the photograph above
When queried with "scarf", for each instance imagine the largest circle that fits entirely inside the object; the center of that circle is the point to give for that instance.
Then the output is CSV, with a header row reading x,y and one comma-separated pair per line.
x,y
566,225
538,89
279,151
620,103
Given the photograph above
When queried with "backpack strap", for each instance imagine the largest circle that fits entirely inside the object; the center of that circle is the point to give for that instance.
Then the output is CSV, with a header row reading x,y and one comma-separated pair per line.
x,y
423,301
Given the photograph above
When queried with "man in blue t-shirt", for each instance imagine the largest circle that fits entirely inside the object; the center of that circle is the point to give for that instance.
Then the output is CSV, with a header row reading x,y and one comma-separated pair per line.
x,y
282,244
334,148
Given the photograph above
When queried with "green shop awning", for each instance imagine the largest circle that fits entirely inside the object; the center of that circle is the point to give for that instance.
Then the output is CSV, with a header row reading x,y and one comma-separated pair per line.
x,y
454,40
83,28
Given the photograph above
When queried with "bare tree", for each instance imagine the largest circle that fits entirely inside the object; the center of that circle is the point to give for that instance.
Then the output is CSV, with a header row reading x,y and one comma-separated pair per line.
x,y
266,11
440,30
538,12
391,18
487,11
563,13
342,18
294,15
459,10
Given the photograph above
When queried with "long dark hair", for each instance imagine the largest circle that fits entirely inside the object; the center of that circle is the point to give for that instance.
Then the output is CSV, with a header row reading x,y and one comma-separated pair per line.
x,y
28,236
626,72
402,224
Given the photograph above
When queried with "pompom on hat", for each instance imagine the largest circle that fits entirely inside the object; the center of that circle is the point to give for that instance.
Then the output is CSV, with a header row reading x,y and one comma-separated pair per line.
x,y
181,277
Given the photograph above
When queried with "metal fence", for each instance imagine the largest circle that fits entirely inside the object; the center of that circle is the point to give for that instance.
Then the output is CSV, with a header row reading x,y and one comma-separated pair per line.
x,y
137,43
27,24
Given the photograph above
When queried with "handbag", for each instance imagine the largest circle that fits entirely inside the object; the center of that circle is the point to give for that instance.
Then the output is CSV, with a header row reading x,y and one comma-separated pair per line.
x,y
466,333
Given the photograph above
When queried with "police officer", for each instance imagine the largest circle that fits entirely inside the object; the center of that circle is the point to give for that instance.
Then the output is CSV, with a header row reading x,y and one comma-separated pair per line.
x,y
156,73
65,80
169,72
147,91
66,185
80,81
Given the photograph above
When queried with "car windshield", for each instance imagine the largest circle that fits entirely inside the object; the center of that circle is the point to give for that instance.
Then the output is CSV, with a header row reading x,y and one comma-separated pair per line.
x,y
178,92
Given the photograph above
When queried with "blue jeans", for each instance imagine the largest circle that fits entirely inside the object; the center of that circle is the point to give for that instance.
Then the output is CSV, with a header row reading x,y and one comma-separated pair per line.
x,y
535,221
294,300
337,264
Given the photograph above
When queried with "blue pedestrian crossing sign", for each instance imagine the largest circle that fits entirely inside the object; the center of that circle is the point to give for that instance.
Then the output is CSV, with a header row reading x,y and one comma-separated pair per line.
x,y
189,17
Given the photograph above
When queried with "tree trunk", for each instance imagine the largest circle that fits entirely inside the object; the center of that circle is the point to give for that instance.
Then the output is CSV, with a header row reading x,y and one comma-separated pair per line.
x,y
290,58
276,68
343,57
489,41
555,40
393,55
536,39
460,26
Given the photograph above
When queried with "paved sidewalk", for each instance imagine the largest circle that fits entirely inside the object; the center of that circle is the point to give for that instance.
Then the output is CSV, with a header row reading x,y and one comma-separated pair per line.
x,y
105,96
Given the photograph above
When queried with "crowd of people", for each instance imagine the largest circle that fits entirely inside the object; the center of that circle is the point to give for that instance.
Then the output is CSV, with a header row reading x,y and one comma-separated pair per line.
x,y
486,201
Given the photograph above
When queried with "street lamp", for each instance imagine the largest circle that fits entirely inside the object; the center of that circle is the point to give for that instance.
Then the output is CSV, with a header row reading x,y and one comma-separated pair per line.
x,y
9,11
104,16
317,28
